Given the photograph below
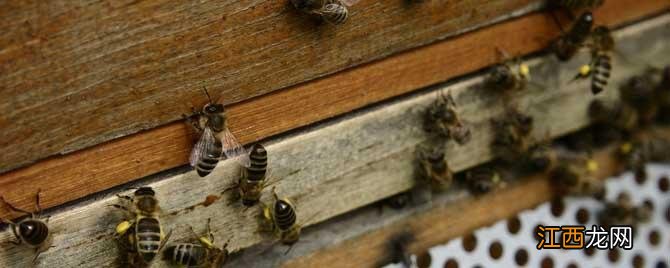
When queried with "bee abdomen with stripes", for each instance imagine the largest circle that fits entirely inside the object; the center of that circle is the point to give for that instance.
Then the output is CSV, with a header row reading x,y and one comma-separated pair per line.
x,y
259,162
334,13
187,254
284,215
148,232
601,72
208,162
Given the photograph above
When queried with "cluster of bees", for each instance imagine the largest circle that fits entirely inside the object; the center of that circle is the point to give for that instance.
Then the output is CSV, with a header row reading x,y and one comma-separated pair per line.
x,y
646,98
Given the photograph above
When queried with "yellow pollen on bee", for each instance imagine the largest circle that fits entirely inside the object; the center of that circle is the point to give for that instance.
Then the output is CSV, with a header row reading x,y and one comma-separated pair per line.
x,y
592,166
524,70
122,227
205,241
626,148
585,70
496,178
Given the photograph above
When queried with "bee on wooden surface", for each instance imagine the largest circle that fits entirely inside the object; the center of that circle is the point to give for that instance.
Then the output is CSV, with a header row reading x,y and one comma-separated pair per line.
x,y
253,180
335,12
204,254
280,218
578,4
442,120
433,167
623,212
142,234
32,231
215,141
598,70
567,45
508,75
577,177
482,179
512,135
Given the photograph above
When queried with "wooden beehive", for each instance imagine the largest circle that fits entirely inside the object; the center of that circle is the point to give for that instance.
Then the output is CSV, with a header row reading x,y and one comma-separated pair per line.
x,y
94,95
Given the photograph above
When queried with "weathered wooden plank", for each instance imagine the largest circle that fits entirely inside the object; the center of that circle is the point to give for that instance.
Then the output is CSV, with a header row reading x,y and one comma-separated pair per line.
x,y
78,174
115,69
444,220
342,165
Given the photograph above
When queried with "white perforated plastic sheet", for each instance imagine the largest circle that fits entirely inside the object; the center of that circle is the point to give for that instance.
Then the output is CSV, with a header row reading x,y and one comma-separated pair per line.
x,y
644,251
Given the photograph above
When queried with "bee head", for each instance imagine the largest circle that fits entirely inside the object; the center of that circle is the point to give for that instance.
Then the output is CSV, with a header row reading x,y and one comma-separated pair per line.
x,y
586,17
144,191
211,108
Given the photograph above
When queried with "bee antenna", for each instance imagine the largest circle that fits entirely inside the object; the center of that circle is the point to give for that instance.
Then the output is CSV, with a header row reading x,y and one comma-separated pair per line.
x,y
289,249
207,93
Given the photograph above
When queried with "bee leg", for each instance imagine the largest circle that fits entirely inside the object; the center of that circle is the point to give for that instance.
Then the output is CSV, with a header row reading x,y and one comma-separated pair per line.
x,y
189,119
164,240
38,208
120,207
125,197
209,230
232,187
13,208
12,226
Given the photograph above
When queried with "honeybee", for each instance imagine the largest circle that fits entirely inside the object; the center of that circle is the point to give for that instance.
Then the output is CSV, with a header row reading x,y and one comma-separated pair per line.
x,y
281,219
506,76
599,70
577,176
335,12
577,4
638,153
512,135
253,178
204,254
216,139
623,212
482,179
33,231
442,120
142,234
433,167
567,45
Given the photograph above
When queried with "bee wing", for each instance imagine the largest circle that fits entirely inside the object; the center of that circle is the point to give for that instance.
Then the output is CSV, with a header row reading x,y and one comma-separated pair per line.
x,y
233,149
349,2
205,142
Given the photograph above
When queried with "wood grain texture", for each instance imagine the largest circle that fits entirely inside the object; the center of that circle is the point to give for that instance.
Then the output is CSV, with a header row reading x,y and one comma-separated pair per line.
x,y
69,177
112,68
437,225
340,166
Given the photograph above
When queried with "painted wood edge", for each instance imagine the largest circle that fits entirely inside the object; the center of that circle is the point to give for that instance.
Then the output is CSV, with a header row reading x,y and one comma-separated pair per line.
x,y
149,69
